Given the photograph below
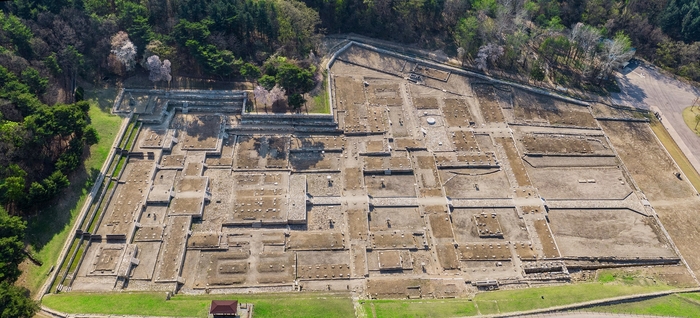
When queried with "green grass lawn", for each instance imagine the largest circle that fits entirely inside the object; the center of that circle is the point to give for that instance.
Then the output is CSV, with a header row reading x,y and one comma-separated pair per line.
x,y
420,308
320,104
266,305
608,285
536,298
677,305
47,232
689,114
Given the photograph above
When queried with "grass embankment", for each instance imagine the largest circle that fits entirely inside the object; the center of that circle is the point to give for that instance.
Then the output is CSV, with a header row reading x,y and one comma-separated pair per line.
x,y
47,232
689,114
320,104
677,305
607,286
676,153
154,304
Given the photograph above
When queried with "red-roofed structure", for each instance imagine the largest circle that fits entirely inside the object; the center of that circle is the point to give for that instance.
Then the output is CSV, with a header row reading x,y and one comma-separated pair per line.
x,y
223,308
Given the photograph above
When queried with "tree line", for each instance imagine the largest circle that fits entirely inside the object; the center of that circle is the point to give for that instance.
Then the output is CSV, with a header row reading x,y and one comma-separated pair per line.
x,y
543,39
14,300
232,39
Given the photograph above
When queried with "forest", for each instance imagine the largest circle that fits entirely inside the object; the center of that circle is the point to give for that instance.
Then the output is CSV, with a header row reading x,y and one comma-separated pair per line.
x,y
47,47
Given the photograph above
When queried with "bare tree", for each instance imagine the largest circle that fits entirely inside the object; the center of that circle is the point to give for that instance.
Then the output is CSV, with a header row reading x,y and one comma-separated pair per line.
x,y
616,51
586,38
261,95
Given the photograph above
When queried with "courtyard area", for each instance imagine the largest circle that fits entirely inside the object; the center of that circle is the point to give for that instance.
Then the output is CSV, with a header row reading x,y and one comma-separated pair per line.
x,y
423,182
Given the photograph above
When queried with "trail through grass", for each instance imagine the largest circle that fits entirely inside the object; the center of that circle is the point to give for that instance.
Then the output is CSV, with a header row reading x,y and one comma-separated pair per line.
x,y
47,231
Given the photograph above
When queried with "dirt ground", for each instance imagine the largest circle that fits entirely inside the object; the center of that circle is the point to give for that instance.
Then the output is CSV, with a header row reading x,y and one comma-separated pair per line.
x,y
580,183
466,229
430,180
608,233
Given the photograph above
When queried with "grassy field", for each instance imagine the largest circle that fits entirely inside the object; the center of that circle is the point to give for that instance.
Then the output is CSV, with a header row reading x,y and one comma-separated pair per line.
x,y
608,285
266,305
689,118
676,153
320,104
47,232
420,308
678,305
536,298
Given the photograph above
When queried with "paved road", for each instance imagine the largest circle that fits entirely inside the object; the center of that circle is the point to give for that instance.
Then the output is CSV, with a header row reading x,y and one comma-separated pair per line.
x,y
645,87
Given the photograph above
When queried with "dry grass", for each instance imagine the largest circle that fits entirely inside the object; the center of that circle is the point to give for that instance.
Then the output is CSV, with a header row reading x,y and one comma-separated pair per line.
x,y
676,153
689,118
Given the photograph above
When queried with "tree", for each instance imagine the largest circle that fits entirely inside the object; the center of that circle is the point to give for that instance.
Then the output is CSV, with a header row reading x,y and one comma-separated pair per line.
x,y
91,136
51,63
71,60
681,20
461,54
466,35
34,80
15,302
19,34
267,81
12,187
488,53
266,97
615,52
690,25
124,51
537,72
296,100
156,47
249,71
585,37
158,71
11,246
297,26
294,79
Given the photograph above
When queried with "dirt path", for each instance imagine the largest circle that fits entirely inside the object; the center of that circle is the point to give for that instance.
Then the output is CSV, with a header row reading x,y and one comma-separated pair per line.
x,y
645,87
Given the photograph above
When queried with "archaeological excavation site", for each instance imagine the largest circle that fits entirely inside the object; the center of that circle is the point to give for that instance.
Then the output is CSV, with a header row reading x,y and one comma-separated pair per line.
x,y
424,181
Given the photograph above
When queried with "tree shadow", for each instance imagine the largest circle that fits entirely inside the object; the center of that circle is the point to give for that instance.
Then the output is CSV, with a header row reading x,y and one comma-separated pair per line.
x,y
309,154
201,126
103,97
630,93
56,215
280,106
